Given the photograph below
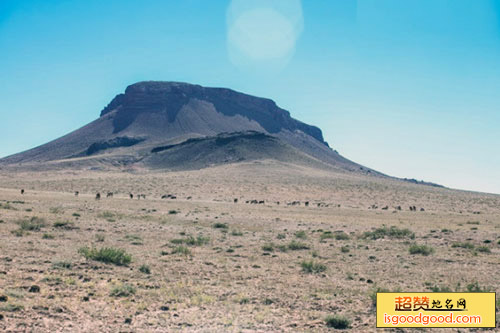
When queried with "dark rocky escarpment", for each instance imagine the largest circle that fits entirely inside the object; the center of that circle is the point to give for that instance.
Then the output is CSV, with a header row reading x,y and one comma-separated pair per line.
x,y
117,142
170,97
220,140
225,148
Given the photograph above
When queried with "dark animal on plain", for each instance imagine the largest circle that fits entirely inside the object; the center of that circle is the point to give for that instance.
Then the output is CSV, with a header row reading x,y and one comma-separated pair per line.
x,y
76,193
422,209
385,208
254,202
261,202
171,197
278,203
131,196
109,195
22,191
306,203
189,198
398,208
248,201
164,196
235,200
98,196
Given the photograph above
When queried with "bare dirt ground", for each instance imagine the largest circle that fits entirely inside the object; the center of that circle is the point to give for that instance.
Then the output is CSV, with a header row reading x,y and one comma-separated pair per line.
x,y
201,262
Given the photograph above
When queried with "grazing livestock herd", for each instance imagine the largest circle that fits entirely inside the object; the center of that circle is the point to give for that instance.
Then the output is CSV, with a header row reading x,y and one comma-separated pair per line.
x,y
411,208
253,201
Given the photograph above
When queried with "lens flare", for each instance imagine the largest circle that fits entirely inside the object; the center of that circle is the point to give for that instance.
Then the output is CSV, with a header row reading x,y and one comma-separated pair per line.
x,y
263,32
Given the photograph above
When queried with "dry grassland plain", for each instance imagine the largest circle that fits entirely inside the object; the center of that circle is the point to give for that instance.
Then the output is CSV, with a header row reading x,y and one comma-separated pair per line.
x,y
201,262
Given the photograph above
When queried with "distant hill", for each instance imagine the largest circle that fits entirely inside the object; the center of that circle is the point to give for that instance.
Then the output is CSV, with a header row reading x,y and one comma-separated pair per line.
x,y
195,125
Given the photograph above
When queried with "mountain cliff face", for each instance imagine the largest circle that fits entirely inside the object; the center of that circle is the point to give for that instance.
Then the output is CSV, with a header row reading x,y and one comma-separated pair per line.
x,y
158,114
169,98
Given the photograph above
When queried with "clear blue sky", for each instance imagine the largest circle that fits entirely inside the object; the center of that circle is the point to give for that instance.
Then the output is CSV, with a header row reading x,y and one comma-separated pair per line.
x,y
410,88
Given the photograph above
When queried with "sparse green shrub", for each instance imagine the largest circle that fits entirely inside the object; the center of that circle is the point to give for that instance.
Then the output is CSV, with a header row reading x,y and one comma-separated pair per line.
x,y
344,249
56,210
341,236
301,234
33,224
373,294
76,215
219,225
294,246
7,206
473,222
145,269
107,255
134,239
99,238
62,265
191,241
310,266
463,245
47,236
108,216
392,232
198,241
268,247
283,236
442,289
181,250
268,301
282,248
326,235
18,232
236,233
474,287
337,322
123,290
483,249
64,225
421,249
11,307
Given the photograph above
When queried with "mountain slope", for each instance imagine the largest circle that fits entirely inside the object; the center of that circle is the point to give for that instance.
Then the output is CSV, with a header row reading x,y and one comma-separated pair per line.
x,y
151,114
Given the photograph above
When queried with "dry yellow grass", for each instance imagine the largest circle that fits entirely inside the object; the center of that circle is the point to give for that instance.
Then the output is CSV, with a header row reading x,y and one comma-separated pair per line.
x,y
245,277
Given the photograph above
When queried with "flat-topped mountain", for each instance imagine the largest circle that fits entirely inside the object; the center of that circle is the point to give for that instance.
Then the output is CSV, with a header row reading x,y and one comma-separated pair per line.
x,y
135,125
